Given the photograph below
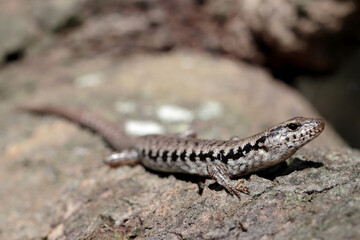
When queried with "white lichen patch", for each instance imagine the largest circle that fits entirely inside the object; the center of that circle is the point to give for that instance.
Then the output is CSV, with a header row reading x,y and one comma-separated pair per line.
x,y
172,113
89,80
139,128
125,107
210,110
179,127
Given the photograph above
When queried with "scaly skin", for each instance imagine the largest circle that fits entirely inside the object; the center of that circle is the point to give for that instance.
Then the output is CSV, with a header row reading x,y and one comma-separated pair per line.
x,y
183,153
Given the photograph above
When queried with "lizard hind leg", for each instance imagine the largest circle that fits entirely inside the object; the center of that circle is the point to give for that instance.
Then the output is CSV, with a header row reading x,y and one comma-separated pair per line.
x,y
125,157
219,173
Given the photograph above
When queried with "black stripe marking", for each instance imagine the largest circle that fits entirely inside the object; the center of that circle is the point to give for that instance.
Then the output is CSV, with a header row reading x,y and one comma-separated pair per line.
x,y
222,157
204,155
183,155
174,156
239,152
230,154
157,155
201,156
164,156
210,155
247,148
153,157
192,156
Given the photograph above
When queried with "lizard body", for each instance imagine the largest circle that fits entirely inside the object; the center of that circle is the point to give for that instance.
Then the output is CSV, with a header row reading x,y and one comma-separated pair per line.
x,y
184,153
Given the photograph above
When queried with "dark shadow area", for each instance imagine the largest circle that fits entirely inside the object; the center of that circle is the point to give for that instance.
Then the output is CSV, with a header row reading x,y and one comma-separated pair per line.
x,y
278,170
283,169
216,187
69,25
271,173
14,56
200,181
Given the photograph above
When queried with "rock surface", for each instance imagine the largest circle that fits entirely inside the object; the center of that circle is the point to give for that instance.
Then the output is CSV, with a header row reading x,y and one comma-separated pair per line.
x,y
27,24
56,187
288,36
16,33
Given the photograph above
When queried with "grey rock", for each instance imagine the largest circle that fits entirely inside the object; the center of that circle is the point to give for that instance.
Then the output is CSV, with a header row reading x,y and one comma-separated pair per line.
x,y
16,33
57,187
53,15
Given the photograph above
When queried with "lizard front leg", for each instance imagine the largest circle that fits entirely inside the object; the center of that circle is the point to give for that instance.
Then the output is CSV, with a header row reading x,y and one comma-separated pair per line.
x,y
218,171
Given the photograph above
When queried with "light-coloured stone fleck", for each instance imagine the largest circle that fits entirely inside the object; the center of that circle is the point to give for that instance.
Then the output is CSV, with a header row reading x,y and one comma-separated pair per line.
x,y
210,110
172,113
89,80
139,128
125,107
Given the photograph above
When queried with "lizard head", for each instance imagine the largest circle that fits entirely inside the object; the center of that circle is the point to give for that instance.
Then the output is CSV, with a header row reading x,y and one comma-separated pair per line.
x,y
286,138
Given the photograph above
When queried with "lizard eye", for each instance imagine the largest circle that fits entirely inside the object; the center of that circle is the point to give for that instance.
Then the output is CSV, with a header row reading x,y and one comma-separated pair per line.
x,y
293,126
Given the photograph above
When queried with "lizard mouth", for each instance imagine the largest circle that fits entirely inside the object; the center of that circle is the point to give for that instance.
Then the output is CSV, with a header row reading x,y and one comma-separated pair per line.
x,y
318,128
320,124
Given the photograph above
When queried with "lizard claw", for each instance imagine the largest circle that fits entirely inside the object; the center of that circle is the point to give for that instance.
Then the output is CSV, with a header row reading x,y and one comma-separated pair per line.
x,y
240,187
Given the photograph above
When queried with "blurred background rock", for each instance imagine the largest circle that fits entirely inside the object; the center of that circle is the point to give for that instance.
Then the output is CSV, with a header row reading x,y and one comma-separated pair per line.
x,y
221,67
311,45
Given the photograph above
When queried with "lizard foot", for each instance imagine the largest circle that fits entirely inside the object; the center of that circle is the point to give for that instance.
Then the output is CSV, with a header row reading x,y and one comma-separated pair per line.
x,y
240,187
218,171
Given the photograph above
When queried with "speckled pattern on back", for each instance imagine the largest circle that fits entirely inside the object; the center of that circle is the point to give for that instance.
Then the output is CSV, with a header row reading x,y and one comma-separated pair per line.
x,y
184,153
190,155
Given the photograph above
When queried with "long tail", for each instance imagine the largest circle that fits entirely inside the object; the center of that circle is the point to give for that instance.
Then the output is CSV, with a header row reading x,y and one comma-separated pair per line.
x,y
112,134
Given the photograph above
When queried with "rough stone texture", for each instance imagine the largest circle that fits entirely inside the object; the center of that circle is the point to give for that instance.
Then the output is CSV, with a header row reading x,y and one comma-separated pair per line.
x,y
288,36
292,33
52,182
28,23
16,32
56,186
53,15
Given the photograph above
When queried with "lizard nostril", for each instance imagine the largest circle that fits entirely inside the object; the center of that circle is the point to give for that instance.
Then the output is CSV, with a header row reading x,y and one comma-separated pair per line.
x,y
320,123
